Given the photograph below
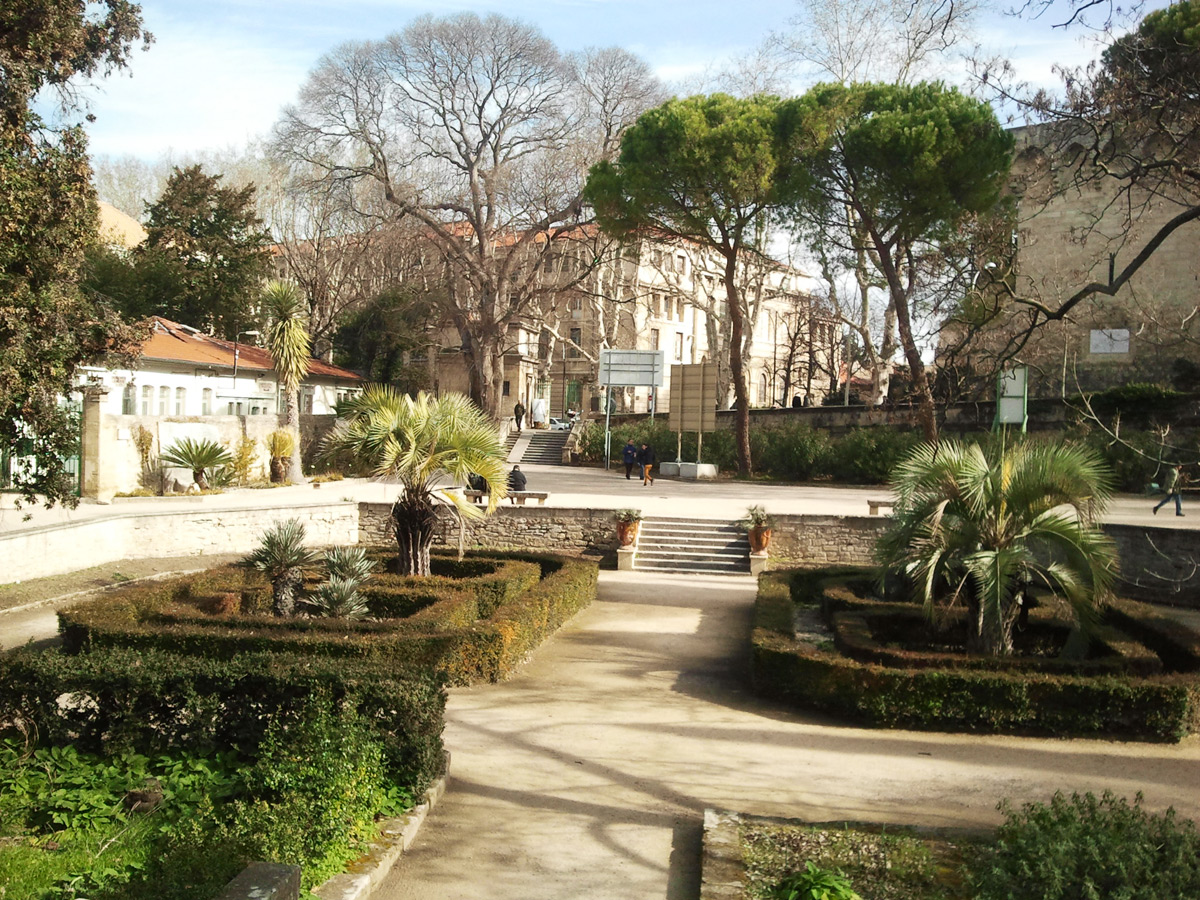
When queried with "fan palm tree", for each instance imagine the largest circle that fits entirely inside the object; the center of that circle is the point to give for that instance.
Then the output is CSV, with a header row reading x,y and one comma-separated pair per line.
x,y
282,557
974,525
291,348
199,456
421,442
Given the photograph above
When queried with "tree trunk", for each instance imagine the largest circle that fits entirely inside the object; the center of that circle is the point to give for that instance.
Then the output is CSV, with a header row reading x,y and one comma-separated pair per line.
x,y
737,370
991,635
201,481
284,590
413,517
291,421
926,414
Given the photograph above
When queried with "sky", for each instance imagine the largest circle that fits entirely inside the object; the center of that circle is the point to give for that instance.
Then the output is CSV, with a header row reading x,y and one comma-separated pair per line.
x,y
219,72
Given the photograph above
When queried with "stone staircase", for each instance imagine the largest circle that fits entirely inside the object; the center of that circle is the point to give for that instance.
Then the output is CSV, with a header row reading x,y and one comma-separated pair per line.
x,y
697,546
537,446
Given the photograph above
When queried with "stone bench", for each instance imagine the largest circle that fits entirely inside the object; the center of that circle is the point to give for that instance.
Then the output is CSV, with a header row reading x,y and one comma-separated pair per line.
x,y
517,497
876,505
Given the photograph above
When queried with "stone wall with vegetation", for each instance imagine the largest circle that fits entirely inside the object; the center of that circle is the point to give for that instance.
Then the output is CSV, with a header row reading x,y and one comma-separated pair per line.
x,y
546,529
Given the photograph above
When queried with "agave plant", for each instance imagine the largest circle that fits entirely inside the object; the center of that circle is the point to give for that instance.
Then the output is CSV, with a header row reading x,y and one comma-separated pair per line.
x,y
280,447
200,456
348,564
282,557
338,598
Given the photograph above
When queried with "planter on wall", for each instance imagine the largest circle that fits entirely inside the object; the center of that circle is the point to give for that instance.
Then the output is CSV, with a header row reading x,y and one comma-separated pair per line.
x,y
627,533
760,538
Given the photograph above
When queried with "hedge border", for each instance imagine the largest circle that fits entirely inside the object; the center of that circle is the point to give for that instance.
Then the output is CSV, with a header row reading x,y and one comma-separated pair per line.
x,y
450,635
1158,708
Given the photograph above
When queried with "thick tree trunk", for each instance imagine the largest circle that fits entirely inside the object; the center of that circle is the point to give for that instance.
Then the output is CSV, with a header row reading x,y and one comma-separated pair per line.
x,y
284,590
413,517
291,419
736,368
991,635
926,413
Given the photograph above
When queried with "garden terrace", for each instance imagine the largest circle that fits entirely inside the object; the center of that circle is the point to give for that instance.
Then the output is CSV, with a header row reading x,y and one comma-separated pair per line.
x,y
1140,680
475,620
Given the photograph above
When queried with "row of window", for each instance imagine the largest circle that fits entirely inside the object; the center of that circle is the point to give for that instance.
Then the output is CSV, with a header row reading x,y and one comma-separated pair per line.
x,y
655,338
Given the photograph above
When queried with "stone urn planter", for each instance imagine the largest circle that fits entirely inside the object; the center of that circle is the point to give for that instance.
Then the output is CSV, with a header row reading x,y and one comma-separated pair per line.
x,y
758,529
628,523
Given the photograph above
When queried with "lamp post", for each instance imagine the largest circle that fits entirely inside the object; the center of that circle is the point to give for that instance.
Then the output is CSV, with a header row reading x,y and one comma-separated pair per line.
x,y
237,352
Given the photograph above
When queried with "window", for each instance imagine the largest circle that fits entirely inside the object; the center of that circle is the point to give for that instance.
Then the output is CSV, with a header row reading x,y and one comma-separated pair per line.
x,y
653,338
1109,341
656,305
679,309
206,402
679,346
180,400
129,401
147,399
576,340
504,391
231,407
681,264
164,398
574,395
306,400
762,390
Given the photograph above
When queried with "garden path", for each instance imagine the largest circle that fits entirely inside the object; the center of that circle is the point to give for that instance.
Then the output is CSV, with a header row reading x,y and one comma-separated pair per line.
x,y
587,774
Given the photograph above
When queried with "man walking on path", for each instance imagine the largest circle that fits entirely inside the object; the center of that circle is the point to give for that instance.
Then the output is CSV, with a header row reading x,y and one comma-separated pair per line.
x,y
1174,488
646,457
629,455
519,414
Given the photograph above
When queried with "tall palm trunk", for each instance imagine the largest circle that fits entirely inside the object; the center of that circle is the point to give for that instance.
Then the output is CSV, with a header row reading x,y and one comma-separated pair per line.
x,y
413,518
291,421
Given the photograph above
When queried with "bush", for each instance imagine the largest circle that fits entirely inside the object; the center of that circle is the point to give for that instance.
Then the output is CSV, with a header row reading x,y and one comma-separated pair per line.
x,y
1137,403
473,630
868,455
795,452
1084,847
1163,708
149,701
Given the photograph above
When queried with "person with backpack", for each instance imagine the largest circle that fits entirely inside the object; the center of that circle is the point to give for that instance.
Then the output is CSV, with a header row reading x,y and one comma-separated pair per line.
x,y
1173,487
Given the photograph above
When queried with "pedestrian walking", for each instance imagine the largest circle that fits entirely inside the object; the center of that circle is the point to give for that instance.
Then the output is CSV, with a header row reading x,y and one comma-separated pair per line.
x,y
629,455
1173,486
646,457
519,413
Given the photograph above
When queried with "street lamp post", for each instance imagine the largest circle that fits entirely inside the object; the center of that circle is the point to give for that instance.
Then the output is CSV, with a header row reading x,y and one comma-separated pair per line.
x,y
237,352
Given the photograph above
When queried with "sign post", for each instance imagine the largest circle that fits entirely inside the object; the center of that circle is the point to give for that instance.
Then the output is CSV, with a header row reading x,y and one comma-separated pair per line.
x,y
1012,398
627,368
693,403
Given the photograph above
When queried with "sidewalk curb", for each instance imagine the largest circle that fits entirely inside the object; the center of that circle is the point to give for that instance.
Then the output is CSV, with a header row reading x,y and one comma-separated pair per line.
x,y
722,871
102,589
396,835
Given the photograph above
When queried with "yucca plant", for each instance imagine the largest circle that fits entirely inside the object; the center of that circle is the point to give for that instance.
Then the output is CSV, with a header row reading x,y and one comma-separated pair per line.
x,y
349,564
280,447
974,525
283,558
199,456
338,598
422,443
291,348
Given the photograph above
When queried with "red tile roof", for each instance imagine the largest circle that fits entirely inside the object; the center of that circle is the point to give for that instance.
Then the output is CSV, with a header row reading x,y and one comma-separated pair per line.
x,y
171,342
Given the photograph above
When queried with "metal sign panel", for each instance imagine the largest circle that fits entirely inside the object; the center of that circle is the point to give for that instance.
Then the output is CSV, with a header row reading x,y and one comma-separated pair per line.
x,y
632,368
1012,392
694,397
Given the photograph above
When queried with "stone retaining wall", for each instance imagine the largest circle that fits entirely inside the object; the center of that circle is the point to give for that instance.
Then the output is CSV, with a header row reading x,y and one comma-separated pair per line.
x,y
545,528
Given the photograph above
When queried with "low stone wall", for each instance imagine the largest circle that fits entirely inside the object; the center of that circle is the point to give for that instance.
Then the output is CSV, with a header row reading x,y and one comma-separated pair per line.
x,y
1159,565
184,528
545,528
812,541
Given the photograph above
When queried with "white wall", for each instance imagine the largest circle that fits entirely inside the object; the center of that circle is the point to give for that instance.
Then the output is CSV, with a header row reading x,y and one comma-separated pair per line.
x,y
187,528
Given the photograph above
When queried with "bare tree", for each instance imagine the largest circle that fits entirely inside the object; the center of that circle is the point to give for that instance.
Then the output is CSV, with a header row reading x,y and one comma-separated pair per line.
x,y
480,131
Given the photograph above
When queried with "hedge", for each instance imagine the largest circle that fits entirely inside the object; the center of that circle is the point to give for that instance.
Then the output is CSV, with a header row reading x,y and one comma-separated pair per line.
x,y
475,632
1162,707
115,699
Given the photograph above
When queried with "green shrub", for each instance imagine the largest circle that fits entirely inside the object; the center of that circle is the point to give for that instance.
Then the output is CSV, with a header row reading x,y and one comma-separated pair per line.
x,y
868,455
1137,403
148,701
795,452
1085,848
814,884
1163,707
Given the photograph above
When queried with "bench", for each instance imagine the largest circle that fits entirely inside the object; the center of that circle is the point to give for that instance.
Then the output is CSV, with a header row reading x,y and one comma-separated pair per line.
x,y
876,505
517,497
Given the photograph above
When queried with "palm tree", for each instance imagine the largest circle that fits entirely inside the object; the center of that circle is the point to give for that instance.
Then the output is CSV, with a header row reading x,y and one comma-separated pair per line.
x,y
198,456
282,557
291,347
974,525
419,442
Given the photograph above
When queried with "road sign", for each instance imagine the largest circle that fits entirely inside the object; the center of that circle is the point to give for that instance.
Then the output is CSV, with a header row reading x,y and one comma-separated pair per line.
x,y
632,368
694,397
1012,396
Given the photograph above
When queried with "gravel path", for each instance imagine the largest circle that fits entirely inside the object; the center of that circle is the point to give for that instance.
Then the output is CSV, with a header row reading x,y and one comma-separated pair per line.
x,y
587,774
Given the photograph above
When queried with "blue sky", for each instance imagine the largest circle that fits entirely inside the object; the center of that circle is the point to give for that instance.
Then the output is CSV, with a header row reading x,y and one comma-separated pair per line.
x,y
219,72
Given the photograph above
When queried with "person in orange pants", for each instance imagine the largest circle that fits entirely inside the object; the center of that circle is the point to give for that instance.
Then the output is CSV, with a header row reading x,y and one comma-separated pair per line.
x,y
647,459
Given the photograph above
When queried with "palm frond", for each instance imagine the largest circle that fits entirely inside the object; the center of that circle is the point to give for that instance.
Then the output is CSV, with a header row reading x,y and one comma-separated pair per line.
x,y
287,332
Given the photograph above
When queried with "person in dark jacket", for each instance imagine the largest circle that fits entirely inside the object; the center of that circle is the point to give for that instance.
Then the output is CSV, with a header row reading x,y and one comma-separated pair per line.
x,y
519,414
630,456
647,459
1173,487
516,481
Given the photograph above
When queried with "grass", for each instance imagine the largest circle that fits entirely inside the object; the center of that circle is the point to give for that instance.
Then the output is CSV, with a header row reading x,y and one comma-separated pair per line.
x,y
880,863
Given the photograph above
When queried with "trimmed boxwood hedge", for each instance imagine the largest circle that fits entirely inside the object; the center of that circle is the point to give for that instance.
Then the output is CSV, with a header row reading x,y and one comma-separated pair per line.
x,y
1161,707
114,699
474,631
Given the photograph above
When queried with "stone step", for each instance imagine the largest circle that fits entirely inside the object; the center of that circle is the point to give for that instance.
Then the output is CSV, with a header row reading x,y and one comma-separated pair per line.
x,y
696,546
